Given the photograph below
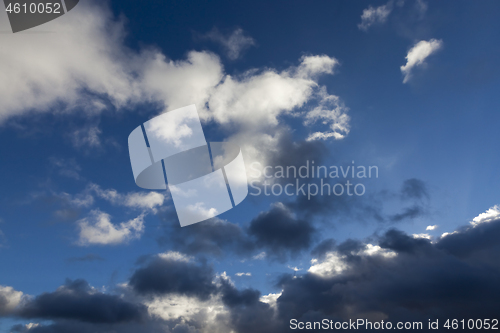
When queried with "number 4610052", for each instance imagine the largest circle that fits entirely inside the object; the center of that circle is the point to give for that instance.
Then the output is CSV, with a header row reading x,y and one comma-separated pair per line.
x,y
34,8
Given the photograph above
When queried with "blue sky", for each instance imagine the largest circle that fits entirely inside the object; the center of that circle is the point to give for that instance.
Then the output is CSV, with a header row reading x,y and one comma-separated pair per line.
x,y
73,89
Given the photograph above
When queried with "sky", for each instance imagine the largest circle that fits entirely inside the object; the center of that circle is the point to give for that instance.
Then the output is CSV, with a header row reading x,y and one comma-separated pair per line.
x,y
409,88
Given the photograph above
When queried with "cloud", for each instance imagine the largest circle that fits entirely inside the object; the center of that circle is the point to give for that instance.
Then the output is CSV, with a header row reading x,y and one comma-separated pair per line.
x,y
279,232
212,237
414,189
417,54
76,300
234,44
86,137
431,227
490,215
10,299
137,200
329,111
408,213
398,278
97,229
372,16
173,274
243,274
401,277
90,71
86,54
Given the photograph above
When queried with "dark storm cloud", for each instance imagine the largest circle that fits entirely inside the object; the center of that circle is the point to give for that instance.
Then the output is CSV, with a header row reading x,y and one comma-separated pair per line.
x,y
212,237
400,242
280,233
455,277
275,231
424,281
247,313
479,245
170,276
77,301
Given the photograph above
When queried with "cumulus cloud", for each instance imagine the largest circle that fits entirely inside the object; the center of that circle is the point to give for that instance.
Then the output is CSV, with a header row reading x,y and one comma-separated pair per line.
x,y
171,273
399,277
97,229
234,44
280,233
85,66
431,227
490,215
376,15
85,54
417,54
77,300
10,299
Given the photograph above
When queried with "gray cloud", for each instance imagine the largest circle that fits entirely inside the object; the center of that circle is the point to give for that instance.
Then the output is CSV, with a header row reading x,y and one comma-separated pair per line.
x,y
171,275
76,300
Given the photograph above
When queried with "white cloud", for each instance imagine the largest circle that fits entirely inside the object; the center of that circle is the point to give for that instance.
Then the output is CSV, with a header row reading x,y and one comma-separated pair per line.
x,y
417,54
331,266
259,256
144,200
422,236
85,52
98,229
490,215
9,299
243,274
253,104
210,314
258,98
271,299
334,263
84,67
376,15
332,112
234,44
295,269
175,256
449,233
138,200
431,227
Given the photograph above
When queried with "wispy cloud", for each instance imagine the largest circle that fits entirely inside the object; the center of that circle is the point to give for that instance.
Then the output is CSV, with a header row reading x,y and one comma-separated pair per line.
x,y
234,44
375,15
417,54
